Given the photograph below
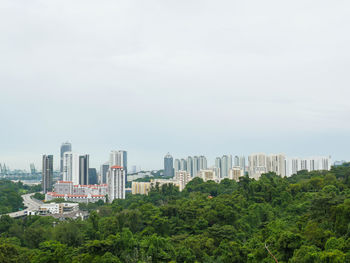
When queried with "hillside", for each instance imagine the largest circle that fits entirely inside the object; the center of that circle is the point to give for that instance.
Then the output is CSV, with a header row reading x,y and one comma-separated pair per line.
x,y
304,218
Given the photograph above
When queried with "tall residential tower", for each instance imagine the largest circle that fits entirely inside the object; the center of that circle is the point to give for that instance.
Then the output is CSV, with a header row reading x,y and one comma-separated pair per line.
x,y
47,173
65,147
116,183
119,158
168,166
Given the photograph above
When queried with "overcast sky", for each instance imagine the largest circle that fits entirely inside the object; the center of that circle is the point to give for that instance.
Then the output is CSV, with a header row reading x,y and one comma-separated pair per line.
x,y
185,77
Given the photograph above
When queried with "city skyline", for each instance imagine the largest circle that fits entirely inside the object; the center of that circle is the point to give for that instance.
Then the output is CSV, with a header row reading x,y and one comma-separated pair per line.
x,y
211,160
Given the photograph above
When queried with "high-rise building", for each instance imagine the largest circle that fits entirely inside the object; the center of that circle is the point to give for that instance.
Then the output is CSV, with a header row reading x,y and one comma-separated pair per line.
x,y
119,158
257,165
318,163
226,165
93,176
183,165
196,167
84,169
116,183
218,166
103,173
293,165
47,173
203,163
276,163
168,166
76,168
71,167
176,165
65,147
239,161
190,165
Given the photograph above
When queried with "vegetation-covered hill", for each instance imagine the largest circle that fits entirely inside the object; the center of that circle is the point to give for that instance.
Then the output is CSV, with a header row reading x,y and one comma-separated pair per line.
x,y
10,196
301,219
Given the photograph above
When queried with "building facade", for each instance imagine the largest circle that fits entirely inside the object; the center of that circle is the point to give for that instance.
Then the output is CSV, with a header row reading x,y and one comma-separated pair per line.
x,y
168,166
116,183
119,158
176,165
141,188
190,165
103,173
65,147
208,175
235,173
183,177
84,169
317,163
276,163
71,167
257,165
47,173
76,168
93,179
239,161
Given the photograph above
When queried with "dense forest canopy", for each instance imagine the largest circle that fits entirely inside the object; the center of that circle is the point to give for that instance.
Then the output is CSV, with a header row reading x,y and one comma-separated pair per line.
x,y
10,195
304,219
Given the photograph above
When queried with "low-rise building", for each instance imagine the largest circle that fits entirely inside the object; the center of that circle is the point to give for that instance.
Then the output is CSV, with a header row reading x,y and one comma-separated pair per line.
x,y
58,208
89,198
77,193
141,188
161,182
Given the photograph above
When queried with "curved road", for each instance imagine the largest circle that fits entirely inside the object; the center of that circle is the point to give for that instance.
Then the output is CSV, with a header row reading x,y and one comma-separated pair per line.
x,y
29,203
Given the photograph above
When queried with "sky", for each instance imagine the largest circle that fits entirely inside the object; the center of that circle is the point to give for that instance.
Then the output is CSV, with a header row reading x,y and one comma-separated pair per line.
x,y
185,77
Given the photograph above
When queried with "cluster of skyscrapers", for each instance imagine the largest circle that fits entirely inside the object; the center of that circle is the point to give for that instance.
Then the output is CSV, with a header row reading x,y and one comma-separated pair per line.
x,y
233,167
194,165
75,168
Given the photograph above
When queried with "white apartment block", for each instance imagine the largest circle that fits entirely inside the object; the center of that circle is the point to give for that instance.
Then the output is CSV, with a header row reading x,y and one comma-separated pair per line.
x,y
177,165
317,163
257,165
276,163
235,173
71,167
182,177
116,183
261,163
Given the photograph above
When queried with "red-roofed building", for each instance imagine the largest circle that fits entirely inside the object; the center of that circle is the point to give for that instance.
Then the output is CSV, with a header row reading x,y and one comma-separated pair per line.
x,y
78,193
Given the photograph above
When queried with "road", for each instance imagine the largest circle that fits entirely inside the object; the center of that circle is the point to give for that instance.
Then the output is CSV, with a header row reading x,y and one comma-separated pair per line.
x,y
29,203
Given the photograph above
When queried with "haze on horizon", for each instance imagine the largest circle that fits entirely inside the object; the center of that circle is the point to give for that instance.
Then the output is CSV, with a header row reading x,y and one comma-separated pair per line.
x,y
185,77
